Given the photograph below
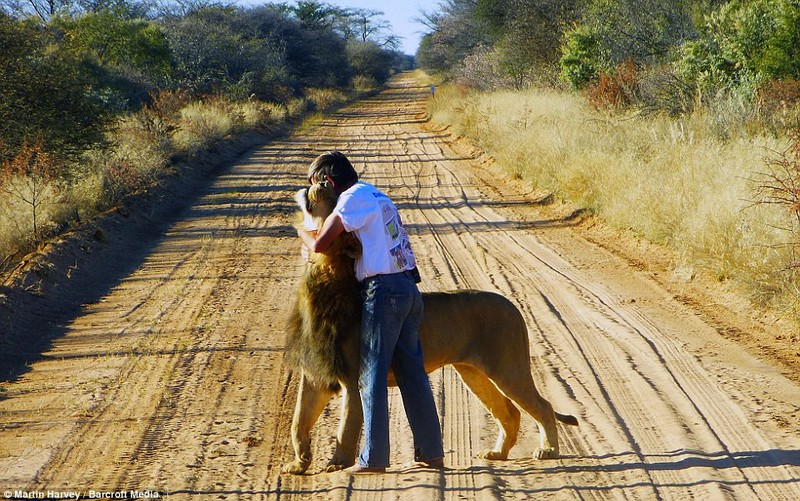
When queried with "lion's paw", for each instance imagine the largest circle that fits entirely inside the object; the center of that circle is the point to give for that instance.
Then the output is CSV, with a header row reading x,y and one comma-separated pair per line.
x,y
295,467
494,455
548,453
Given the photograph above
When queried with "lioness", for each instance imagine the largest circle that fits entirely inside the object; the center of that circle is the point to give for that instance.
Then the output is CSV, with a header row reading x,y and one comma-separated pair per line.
x,y
481,334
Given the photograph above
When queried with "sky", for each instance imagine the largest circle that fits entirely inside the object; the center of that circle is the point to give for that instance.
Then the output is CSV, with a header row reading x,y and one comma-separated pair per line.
x,y
400,13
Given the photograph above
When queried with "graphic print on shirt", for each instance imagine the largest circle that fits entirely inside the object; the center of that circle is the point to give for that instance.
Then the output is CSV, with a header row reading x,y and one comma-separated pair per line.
x,y
399,258
397,240
392,229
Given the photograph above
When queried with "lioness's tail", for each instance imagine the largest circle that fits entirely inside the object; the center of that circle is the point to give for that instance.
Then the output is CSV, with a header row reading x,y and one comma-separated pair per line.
x,y
567,419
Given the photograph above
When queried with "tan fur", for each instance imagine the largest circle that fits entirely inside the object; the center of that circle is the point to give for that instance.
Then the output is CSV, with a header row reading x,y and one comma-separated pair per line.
x,y
327,304
481,334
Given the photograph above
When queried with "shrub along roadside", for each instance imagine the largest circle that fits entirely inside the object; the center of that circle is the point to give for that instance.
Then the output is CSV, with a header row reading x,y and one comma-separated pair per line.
x,y
709,197
144,147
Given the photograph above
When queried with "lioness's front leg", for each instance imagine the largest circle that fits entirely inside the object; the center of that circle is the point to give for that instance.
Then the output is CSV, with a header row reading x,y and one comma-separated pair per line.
x,y
350,422
311,401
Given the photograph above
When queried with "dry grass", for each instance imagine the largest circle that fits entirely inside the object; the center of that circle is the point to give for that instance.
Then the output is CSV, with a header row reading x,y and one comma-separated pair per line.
x,y
143,145
363,83
30,194
325,99
203,123
676,182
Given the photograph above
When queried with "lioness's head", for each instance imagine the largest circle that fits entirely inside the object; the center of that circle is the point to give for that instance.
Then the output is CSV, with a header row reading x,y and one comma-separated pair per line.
x,y
317,202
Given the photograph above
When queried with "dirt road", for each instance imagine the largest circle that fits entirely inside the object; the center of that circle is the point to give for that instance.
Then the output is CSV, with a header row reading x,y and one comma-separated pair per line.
x,y
174,381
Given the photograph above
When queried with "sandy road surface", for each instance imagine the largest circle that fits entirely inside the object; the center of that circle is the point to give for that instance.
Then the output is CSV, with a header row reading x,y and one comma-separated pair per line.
x,y
174,380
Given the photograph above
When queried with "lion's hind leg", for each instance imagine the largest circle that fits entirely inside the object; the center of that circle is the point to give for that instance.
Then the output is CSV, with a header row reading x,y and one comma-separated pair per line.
x,y
502,409
521,389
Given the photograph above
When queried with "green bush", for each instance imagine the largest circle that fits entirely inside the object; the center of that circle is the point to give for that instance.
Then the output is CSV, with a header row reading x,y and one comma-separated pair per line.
x,y
370,60
582,59
642,30
44,94
743,45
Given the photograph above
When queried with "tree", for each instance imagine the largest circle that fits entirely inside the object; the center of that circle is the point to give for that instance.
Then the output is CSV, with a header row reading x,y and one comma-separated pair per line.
x,y
45,10
533,35
316,55
368,59
127,55
265,51
581,60
495,15
115,36
455,31
428,57
368,25
210,55
30,179
316,15
744,44
518,39
176,9
642,30
46,96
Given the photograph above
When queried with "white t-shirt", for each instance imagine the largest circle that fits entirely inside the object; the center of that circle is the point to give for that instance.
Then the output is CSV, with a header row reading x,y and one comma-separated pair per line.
x,y
370,215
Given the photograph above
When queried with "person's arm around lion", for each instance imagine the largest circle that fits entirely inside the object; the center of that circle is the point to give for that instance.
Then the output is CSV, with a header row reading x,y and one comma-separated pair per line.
x,y
391,315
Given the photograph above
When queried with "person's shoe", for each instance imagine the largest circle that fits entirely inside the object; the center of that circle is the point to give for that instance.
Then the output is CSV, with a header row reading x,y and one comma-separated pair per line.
x,y
357,469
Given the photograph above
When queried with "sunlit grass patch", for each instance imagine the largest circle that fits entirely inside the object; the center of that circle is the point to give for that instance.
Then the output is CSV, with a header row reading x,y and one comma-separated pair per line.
x,y
686,183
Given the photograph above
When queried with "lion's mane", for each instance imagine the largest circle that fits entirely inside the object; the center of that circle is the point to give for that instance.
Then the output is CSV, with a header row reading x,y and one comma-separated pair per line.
x,y
327,309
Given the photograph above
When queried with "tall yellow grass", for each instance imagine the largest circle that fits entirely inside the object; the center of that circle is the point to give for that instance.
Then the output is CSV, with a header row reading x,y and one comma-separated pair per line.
x,y
143,146
675,182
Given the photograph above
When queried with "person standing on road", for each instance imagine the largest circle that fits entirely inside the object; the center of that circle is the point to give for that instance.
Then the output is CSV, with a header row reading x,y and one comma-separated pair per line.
x,y
391,315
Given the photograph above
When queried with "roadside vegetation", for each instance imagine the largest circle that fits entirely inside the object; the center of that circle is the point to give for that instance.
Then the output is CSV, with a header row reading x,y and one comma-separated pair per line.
x,y
676,120
99,100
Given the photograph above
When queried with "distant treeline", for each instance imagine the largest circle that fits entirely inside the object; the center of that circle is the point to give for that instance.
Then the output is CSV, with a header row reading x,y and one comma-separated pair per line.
x,y
661,55
67,67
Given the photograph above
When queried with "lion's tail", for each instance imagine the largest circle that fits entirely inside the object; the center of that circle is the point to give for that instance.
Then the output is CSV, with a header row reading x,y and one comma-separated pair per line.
x,y
567,419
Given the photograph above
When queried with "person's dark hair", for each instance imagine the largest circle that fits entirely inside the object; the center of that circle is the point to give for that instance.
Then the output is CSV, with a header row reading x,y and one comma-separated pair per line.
x,y
335,165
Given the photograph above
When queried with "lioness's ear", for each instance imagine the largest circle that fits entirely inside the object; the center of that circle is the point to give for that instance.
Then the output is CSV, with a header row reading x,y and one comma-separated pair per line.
x,y
301,197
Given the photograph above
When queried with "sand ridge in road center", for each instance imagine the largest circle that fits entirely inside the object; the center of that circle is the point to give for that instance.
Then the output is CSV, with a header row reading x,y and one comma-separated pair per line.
x,y
175,378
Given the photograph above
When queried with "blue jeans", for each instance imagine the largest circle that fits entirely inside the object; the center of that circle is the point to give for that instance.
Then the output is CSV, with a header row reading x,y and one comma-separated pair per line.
x,y
390,336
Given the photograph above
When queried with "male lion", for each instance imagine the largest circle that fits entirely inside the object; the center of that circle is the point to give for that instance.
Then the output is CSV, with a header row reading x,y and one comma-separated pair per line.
x,y
481,334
